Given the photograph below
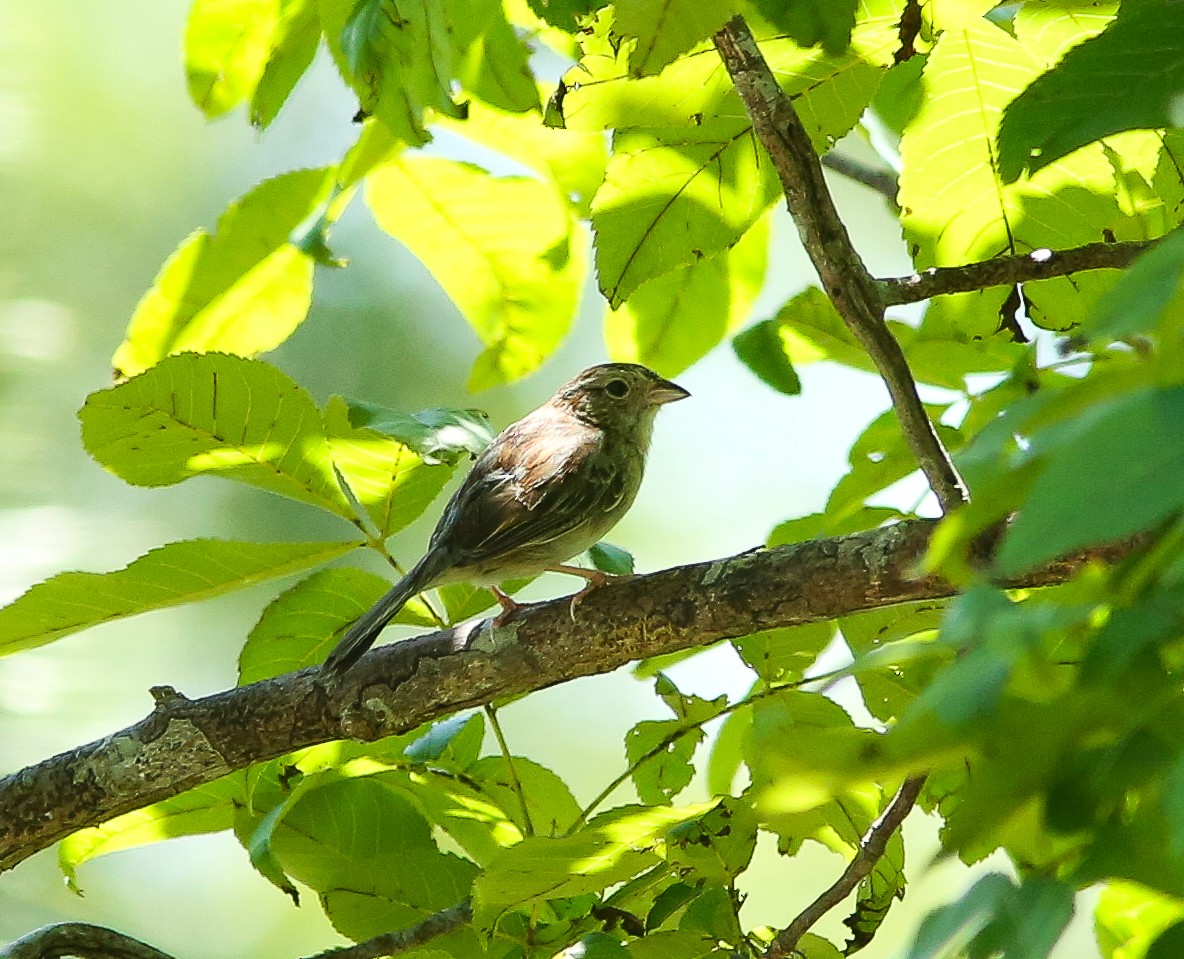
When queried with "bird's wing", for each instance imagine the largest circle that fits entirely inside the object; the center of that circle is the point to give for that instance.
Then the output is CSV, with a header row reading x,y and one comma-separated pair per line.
x,y
537,482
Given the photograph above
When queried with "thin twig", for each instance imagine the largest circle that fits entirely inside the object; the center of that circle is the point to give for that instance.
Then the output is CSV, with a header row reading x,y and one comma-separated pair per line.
x,y
871,849
844,276
515,782
1008,270
393,943
882,181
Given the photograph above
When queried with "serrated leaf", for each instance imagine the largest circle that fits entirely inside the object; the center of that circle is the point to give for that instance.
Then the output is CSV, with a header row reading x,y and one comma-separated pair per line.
x,y
549,801
1138,301
369,853
505,249
397,57
673,321
955,208
227,45
491,62
810,22
301,625
1131,76
660,754
611,848
439,435
829,92
242,290
391,481
293,46
204,809
666,28
170,575
784,655
673,197
216,415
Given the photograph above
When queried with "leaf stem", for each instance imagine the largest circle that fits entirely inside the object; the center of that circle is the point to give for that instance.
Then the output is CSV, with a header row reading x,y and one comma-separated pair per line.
x,y
515,782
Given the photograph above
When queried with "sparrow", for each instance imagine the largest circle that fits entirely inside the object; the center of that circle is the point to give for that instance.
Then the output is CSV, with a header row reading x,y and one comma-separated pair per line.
x,y
548,487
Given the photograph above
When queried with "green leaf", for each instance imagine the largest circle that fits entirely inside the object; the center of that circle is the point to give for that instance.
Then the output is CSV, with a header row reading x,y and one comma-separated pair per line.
x,y
505,249
716,846
1128,917
549,801
293,46
1131,76
391,482
948,930
170,575
1112,473
673,321
674,197
439,435
759,348
660,751
301,625
810,329
242,290
397,57
204,809
810,22
613,847
227,46
666,28
1168,943
564,14
452,743
574,160
994,917
611,559
955,209
216,415
830,93
784,655
1138,301
492,63
369,853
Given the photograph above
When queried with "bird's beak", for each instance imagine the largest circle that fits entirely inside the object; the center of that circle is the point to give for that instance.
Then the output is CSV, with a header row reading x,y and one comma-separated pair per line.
x,y
663,391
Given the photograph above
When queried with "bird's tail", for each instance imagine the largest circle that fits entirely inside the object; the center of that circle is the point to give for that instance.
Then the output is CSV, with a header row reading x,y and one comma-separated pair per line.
x,y
362,634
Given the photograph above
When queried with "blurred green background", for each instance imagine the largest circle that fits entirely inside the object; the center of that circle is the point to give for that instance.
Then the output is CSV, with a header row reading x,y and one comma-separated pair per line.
x,y
104,168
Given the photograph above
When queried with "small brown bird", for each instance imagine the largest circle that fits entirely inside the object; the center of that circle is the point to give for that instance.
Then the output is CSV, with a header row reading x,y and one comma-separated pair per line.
x,y
548,487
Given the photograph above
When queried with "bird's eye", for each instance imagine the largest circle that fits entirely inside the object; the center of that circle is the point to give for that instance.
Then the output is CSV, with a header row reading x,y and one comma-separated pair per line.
x,y
617,388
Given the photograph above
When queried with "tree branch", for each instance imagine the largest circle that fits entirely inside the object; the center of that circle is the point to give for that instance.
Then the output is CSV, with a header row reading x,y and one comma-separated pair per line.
x,y
184,743
882,181
79,939
846,280
1008,270
871,848
394,943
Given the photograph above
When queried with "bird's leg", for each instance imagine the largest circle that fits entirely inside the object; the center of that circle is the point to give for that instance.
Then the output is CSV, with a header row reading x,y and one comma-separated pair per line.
x,y
508,604
594,577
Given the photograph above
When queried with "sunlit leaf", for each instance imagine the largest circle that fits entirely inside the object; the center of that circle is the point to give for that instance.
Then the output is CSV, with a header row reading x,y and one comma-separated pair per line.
x,y
170,575
1131,76
227,46
665,28
216,415
243,289
505,249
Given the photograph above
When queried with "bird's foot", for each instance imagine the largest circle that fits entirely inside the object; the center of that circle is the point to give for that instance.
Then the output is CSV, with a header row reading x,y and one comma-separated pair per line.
x,y
508,604
595,579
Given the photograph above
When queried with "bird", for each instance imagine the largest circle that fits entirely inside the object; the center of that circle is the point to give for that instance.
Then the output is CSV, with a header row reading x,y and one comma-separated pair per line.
x,y
548,487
